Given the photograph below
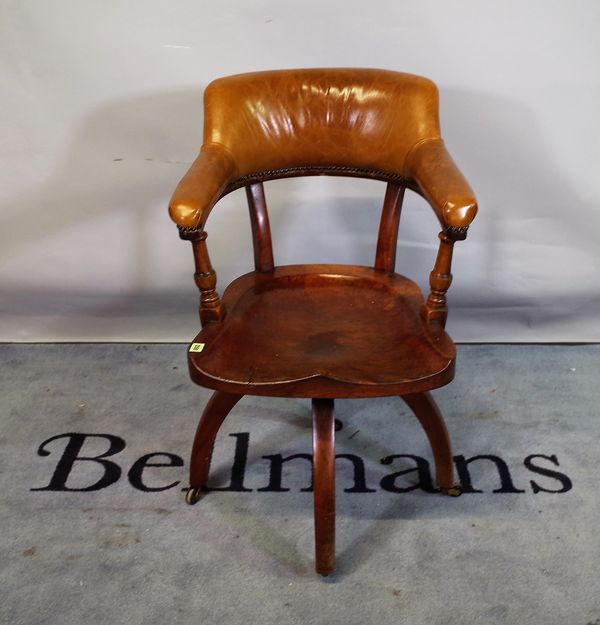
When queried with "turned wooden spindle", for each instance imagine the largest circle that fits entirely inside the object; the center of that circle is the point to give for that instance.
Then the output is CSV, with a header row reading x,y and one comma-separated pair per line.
x,y
435,309
211,308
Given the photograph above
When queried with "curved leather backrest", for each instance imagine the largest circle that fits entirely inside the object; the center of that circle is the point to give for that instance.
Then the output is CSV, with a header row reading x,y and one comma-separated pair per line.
x,y
364,118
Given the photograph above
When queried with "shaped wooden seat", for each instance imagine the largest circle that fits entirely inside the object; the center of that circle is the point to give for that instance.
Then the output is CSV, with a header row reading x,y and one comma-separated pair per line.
x,y
322,331
298,330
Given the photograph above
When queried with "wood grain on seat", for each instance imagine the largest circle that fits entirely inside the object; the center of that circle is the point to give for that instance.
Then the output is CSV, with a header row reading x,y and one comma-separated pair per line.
x,y
297,328
323,331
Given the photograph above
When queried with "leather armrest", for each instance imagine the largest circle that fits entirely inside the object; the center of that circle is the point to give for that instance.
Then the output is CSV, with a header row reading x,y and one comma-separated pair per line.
x,y
430,165
202,186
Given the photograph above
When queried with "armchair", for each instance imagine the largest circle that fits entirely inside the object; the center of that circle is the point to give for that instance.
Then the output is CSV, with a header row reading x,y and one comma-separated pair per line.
x,y
322,331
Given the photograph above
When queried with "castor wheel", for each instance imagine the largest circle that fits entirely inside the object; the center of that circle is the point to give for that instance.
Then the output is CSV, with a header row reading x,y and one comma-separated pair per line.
x,y
193,496
454,491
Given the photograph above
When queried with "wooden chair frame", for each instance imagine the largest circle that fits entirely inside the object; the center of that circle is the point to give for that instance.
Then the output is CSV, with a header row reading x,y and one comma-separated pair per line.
x,y
213,311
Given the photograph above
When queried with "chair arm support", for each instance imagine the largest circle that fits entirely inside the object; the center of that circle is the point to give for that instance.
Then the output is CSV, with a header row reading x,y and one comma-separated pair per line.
x,y
430,165
202,186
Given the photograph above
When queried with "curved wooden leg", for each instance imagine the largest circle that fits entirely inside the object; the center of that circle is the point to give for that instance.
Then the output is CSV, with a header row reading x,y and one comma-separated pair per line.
x,y
428,414
218,407
324,484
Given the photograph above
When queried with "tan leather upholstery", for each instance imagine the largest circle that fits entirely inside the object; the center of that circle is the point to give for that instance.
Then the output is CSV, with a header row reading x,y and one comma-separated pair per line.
x,y
368,119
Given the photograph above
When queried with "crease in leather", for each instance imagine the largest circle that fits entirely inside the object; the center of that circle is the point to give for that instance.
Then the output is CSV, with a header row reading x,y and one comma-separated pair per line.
x,y
365,118
221,146
442,183
202,186
415,147
360,118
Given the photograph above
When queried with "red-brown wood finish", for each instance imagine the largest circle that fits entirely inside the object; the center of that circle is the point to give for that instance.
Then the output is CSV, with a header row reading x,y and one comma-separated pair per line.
x,y
435,309
431,420
323,331
387,241
210,309
324,484
261,230
218,407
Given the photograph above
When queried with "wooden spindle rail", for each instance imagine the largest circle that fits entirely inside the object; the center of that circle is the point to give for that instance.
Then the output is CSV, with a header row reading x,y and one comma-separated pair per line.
x,y
387,240
435,309
261,231
211,308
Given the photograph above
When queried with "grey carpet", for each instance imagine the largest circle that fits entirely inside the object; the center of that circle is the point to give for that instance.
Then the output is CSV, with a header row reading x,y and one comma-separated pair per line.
x,y
120,554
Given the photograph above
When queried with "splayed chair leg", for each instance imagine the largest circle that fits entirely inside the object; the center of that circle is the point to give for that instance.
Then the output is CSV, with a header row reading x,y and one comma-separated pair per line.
x,y
218,407
428,414
324,484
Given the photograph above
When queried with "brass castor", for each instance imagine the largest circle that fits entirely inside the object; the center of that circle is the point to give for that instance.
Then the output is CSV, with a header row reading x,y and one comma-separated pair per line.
x,y
193,495
454,491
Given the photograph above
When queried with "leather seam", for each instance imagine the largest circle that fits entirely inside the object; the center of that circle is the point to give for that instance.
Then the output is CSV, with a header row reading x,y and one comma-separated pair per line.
x,y
417,145
268,173
222,146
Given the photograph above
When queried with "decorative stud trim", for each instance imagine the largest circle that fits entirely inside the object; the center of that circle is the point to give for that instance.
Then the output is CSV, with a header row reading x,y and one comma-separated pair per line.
x,y
188,229
189,233
319,169
456,233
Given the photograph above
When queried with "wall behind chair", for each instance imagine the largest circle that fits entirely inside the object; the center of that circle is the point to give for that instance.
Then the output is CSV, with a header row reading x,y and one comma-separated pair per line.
x,y
101,113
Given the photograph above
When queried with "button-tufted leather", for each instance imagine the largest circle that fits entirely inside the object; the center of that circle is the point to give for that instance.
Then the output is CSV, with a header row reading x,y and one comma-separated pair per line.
x,y
374,120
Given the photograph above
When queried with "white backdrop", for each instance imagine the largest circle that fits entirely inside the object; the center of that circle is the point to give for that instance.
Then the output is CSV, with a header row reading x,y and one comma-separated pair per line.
x,y
101,115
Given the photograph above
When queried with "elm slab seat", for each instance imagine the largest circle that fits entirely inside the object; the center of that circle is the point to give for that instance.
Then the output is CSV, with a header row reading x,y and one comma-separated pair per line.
x,y
319,327
322,331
